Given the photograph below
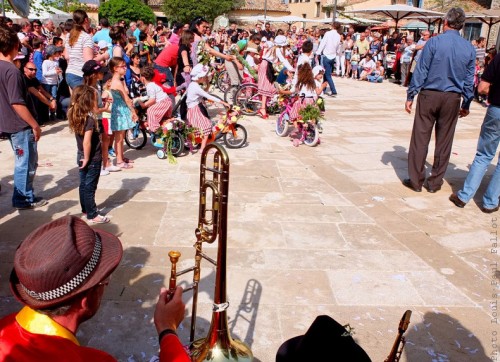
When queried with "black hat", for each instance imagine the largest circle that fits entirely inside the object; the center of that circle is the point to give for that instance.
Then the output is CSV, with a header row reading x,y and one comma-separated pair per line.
x,y
91,67
325,341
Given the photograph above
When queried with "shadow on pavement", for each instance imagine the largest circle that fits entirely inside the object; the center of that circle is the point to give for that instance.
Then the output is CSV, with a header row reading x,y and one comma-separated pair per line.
x,y
441,337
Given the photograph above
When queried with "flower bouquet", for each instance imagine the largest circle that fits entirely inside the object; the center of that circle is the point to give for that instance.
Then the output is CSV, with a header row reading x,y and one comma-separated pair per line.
x,y
171,133
202,55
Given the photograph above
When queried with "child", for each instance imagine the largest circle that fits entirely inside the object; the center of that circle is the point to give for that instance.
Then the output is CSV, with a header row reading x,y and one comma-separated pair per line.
x,y
106,133
266,71
318,73
51,72
123,114
38,47
93,73
355,58
377,75
159,104
197,114
253,59
131,46
305,88
143,49
84,124
102,54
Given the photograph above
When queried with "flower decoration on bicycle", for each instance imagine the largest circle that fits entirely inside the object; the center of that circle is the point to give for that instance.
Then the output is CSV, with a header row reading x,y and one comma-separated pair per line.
x,y
171,138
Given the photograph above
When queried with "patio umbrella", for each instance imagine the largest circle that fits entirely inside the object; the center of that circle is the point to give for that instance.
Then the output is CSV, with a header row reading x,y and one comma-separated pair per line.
x,y
429,20
489,17
396,12
290,19
337,19
415,25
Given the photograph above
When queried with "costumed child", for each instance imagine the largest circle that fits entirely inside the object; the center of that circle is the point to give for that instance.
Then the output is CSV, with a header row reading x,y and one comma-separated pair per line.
x,y
83,123
252,59
266,71
159,104
307,90
197,114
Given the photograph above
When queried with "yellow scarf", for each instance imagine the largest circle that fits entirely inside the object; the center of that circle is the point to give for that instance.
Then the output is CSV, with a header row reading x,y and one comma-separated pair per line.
x,y
38,323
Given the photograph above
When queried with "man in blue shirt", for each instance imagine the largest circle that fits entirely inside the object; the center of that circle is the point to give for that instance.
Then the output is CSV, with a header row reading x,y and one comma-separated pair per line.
x,y
444,74
103,34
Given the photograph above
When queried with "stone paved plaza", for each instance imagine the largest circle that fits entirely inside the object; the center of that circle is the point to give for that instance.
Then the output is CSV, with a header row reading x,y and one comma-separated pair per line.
x,y
324,230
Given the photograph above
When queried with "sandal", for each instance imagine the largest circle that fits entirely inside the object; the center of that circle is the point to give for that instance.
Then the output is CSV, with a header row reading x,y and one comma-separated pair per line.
x,y
100,219
262,115
126,160
124,165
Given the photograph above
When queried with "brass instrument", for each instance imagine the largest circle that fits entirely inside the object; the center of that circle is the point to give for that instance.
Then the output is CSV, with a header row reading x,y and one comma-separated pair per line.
x,y
396,352
174,258
212,225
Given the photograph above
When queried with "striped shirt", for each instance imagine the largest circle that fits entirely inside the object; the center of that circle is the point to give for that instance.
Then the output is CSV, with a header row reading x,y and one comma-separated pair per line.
x,y
75,52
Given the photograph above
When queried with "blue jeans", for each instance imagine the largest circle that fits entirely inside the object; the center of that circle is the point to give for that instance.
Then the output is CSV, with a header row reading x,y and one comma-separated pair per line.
x,y
328,64
486,149
89,177
52,89
73,80
26,161
167,72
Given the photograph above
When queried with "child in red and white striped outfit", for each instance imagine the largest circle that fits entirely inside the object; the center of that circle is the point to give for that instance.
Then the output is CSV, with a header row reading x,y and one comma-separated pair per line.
x,y
159,104
197,114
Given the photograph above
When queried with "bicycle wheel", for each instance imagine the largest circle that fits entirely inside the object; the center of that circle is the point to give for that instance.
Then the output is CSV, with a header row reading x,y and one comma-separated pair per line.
x,y
136,137
311,134
248,99
236,138
282,124
230,93
177,145
223,81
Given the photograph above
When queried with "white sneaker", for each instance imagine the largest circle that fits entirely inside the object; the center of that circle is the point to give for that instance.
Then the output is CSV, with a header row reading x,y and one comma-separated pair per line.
x,y
113,168
104,172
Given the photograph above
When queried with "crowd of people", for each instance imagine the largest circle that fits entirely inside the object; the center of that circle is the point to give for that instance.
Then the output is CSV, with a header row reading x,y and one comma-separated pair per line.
x,y
97,78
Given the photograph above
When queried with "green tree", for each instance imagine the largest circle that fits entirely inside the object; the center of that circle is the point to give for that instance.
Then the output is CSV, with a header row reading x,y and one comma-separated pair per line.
x,y
128,10
186,10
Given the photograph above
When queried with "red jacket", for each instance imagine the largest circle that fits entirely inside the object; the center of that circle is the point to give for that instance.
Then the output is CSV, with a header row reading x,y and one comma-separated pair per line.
x,y
20,345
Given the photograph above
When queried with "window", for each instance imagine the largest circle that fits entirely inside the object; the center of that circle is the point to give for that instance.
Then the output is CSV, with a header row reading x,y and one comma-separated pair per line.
x,y
472,31
328,13
318,8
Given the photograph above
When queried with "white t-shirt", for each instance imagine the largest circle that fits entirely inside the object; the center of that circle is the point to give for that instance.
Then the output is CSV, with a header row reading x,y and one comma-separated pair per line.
x,y
251,64
195,94
49,73
75,62
155,91
367,64
307,92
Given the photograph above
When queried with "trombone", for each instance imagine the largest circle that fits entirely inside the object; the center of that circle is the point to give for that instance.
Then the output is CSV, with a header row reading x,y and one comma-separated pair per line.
x,y
212,226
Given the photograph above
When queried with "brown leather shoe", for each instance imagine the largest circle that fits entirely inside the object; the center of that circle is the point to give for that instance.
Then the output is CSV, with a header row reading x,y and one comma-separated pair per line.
x,y
407,183
489,211
458,203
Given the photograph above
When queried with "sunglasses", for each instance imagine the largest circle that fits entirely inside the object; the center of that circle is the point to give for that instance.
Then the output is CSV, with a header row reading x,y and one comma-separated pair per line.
x,y
32,69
